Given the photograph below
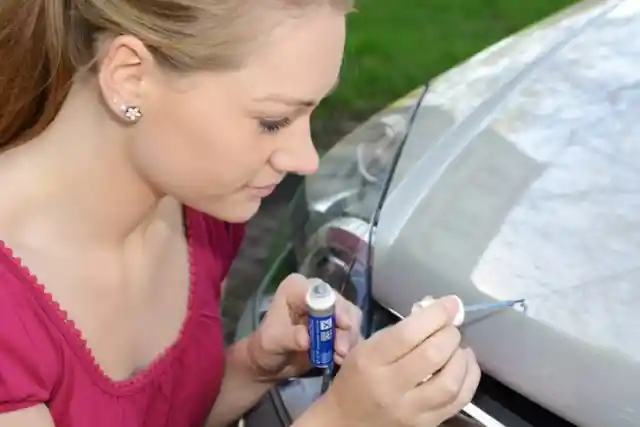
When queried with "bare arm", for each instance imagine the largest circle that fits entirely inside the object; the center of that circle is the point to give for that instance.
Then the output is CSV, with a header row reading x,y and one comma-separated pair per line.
x,y
35,416
241,389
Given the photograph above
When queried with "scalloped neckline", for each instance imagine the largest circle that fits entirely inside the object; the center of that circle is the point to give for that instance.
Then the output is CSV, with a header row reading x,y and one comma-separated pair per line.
x,y
74,335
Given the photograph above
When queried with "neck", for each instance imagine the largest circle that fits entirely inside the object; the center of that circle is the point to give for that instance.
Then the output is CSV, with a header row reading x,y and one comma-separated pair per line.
x,y
81,183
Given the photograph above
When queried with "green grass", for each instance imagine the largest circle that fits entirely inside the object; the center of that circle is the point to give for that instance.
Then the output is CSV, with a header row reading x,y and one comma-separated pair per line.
x,y
393,47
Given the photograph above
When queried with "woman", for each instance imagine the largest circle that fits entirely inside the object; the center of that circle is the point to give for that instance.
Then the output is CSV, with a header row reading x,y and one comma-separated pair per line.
x,y
137,136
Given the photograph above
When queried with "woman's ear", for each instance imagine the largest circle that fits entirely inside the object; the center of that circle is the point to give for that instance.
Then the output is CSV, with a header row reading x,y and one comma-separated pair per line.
x,y
124,72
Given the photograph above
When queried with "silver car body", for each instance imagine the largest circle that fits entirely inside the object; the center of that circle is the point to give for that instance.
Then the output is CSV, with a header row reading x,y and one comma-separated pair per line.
x,y
521,179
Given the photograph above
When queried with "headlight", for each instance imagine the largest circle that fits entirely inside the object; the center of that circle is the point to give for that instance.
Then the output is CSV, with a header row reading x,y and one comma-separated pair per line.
x,y
331,213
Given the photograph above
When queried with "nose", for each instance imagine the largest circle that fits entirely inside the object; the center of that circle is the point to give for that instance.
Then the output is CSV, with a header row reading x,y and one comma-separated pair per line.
x,y
297,155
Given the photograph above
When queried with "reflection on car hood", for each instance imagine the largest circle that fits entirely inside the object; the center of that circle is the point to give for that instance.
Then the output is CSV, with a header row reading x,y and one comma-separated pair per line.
x,y
461,91
571,243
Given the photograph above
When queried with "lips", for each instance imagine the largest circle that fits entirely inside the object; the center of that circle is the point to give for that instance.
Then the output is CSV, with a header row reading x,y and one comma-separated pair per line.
x,y
263,191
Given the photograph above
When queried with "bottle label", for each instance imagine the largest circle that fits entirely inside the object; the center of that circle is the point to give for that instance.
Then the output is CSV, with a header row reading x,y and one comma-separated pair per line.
x,y
321,339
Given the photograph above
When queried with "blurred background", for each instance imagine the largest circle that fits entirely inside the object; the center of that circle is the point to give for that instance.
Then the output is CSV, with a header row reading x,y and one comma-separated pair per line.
x,y
392,48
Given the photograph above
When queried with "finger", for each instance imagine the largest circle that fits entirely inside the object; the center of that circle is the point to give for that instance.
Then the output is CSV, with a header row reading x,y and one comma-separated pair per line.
x,y
444,387
289,339
298,364
301,338
348,319
343,342
468,389
428,358
394,342
348,315
292,292
340,356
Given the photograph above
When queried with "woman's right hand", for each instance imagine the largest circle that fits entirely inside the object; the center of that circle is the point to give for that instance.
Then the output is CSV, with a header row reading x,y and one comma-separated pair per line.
x,y
380,383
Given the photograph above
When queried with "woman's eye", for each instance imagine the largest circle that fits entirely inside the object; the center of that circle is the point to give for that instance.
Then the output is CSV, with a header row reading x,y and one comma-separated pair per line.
x,y
272,126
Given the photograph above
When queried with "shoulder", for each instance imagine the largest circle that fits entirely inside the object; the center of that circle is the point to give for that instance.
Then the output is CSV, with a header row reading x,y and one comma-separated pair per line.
x,y
29,352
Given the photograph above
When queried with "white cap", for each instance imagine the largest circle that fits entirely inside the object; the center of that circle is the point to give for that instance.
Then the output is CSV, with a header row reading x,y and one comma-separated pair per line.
x,y
320,295
428,300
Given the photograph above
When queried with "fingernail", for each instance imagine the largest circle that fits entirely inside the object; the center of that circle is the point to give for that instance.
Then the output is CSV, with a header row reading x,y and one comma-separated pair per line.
x,y
452,303
423,303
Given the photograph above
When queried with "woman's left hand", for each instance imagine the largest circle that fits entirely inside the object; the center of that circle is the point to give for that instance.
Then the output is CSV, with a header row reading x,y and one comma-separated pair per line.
x,y
279,347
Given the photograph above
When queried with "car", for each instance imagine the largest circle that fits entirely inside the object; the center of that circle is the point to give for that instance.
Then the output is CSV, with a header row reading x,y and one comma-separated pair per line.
x,y
515,174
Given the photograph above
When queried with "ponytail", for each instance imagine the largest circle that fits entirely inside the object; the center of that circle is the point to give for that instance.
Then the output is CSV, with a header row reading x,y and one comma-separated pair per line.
x,y
35,67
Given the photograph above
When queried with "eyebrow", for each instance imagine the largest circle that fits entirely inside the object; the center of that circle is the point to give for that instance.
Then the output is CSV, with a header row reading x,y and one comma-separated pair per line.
x,y
292,100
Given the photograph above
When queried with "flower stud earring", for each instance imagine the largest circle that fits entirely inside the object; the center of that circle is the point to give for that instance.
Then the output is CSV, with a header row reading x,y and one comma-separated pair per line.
x,y
131,113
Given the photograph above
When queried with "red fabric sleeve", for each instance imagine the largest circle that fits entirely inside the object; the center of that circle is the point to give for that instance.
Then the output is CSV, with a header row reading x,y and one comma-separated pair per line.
x,y
29,361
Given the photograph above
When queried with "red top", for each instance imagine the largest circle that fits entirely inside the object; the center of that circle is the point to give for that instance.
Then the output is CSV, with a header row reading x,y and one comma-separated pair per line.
x,y
43,358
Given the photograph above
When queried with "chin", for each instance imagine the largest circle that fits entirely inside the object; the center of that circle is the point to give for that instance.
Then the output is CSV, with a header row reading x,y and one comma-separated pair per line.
x,y
235,213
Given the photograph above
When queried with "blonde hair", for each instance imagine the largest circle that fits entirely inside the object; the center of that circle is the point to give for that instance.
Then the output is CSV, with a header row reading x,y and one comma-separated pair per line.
x,y
43,43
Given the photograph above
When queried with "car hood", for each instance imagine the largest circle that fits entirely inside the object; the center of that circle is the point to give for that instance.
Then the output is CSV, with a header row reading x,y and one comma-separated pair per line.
x,y
523,180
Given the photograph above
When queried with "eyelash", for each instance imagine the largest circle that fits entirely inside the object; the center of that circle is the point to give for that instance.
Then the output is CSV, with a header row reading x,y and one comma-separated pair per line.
x,y
273,126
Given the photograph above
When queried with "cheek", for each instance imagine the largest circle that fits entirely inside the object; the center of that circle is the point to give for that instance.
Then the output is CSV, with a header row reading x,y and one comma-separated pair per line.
x,y
208,151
